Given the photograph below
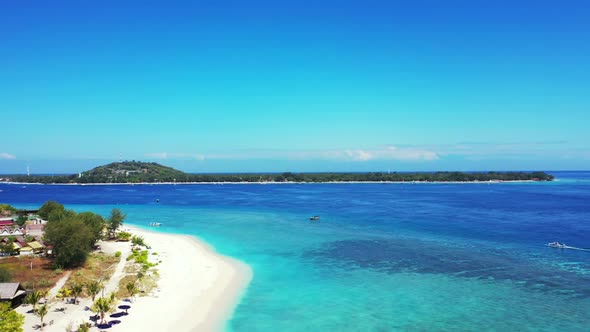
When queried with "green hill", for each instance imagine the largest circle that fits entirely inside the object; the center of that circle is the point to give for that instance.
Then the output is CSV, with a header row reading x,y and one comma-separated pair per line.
x,y
130,172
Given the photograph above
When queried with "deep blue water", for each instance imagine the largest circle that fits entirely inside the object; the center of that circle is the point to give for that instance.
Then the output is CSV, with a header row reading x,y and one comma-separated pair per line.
x,y
384,257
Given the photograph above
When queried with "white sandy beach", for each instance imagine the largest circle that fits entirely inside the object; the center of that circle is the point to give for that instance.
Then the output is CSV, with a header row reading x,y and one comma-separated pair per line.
x,y
198,289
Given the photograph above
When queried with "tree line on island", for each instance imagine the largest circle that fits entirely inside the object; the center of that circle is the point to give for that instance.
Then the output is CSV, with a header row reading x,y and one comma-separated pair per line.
x,y
142,172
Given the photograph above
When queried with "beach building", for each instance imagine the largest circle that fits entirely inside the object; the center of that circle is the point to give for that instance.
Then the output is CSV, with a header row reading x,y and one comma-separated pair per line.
x,y
35,229
37,247
11,231
13,293
26,251
4,222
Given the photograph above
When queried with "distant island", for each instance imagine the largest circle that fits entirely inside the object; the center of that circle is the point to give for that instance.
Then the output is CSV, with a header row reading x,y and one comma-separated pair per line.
x,y
143,172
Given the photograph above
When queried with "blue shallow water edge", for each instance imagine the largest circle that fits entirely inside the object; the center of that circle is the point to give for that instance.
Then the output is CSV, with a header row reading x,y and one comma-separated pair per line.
x,y
384,257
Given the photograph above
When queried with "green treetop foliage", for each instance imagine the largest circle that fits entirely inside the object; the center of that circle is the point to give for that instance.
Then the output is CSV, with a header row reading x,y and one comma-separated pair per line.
x,y
7,248
71,239
72,235
21,220
7,209
115,221
95,222
10,320
50,207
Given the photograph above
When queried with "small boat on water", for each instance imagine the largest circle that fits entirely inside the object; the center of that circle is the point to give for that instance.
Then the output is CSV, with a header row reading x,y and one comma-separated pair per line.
x,y
155,224
314,218
559,245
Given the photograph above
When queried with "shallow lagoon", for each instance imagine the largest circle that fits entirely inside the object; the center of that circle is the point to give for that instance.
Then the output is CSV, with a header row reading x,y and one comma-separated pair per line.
x,y
384,257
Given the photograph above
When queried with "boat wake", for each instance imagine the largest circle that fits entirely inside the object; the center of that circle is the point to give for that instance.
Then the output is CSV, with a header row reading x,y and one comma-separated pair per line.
x,y
564,246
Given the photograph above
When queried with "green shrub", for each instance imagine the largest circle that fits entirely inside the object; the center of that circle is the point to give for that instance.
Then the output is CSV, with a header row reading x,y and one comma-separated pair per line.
x,y
118,254
5,275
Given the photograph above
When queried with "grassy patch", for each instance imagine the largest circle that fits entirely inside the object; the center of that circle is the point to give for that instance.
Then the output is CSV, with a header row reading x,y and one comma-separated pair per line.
x,y
42,276
97,267
140,271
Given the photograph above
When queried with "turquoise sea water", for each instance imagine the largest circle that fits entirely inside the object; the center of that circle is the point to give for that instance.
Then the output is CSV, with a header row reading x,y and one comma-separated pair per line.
x,y
384,257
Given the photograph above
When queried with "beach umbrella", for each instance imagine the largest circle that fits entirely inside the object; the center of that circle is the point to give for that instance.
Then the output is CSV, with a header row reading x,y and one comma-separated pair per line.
x,y
104,326
125,307
118,314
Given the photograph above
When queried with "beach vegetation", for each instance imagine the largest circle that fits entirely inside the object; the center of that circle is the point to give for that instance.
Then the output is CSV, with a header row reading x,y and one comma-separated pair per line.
x,y
7,209
97,267
5,275
138,241
50,207
95,222
72,241
41,312
32,272
123,236
84,327
10,320
64,293
7,248
33,298
132,289
115,221
93,288
29,238
21,220
74,235
44,293
76,289
104,305
117,254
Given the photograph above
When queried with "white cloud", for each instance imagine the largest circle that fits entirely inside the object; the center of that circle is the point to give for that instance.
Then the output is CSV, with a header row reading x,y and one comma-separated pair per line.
x,y
168,155
157,155
392,153
360,155
4,155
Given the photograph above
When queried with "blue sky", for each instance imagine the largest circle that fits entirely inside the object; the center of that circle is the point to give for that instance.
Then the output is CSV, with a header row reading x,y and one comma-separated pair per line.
x,y
230,86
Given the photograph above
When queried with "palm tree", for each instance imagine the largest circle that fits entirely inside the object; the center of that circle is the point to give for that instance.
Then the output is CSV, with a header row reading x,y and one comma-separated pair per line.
x,y
44,293
41,312
104,305
34,298
93,288
131,289
64,293
76,290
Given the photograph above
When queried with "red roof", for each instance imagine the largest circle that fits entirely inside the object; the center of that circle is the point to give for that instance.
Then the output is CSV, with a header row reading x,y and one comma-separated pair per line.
x,y
6,223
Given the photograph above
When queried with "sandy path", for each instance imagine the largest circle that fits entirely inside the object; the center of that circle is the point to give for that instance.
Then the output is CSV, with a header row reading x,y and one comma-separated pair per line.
x,y
60,283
